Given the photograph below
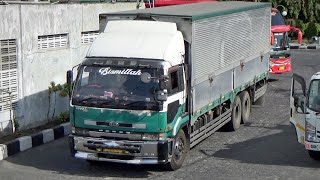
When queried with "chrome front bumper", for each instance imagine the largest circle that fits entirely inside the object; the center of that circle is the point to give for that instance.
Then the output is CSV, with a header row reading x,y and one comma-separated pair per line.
x,y
94,156
137,152
312,146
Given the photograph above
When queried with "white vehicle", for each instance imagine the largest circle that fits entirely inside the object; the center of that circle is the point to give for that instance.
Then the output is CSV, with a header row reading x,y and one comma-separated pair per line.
x,y
305,112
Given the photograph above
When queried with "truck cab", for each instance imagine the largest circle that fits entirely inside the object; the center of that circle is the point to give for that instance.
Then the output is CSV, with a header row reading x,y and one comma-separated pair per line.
x,y
129,89
305,112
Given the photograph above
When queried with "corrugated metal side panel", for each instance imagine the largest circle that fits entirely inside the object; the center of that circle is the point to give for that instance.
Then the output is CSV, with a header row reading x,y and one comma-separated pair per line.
x,y
221,42
206,92
250,69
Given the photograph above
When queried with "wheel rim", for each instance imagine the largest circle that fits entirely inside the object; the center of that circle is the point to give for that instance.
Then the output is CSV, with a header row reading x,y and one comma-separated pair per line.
x,y
237,115
238,112
178,149
246,104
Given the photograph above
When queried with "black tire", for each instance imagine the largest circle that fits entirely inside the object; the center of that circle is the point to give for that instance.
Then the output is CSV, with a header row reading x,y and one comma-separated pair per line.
x,y
180,150
314,155
235,122
245,106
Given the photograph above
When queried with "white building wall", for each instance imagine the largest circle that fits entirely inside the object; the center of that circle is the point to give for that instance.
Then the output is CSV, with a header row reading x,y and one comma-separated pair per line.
x,y
38,67
10,22
9,29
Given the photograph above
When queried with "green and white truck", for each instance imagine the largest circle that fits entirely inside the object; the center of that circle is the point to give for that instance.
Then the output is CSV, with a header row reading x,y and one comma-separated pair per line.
x,y
158,81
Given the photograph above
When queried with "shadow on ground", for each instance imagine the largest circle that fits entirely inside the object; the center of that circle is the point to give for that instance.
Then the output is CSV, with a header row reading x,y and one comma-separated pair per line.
x,y
55,157
275,149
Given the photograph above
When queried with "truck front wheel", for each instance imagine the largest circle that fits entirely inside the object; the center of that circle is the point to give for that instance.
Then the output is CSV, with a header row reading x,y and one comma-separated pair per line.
x,y
179,151
314,155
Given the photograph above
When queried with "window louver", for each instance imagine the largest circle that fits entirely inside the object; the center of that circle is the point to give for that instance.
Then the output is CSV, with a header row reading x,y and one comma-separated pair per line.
x,y
53,41
89,37
8,74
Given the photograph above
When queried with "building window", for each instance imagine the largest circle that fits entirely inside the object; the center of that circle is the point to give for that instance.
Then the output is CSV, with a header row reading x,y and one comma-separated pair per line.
x,y
89,36
8,74
53,41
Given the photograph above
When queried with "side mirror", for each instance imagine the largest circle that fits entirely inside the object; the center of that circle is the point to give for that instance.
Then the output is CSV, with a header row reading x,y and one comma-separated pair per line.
x,y
69,81
299,104
295,100
145,77
69,77
162,96
300,110
164,82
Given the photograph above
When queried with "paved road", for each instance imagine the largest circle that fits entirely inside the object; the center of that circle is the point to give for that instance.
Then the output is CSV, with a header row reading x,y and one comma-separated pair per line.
x,y
264,149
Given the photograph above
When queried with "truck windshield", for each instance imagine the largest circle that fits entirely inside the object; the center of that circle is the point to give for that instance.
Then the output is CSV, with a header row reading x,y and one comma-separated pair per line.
x,y
281,41
314,96
276,18
114,87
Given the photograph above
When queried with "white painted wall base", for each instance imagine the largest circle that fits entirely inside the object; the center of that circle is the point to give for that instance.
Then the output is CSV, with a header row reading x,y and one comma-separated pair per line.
x,y
3,151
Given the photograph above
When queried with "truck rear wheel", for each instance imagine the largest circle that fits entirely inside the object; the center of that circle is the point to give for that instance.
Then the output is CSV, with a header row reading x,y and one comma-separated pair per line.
x,y
245,106
314,155
234,124
179,151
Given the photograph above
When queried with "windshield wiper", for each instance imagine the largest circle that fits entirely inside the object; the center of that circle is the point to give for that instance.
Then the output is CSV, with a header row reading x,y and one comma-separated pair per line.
x,y
86,99
138,103
105,102
97,64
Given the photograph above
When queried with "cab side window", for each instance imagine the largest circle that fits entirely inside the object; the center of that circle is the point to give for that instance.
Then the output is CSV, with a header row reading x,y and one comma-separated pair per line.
x,y
176,80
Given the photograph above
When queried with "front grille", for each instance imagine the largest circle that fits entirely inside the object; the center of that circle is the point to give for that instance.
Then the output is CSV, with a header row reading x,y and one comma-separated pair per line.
x,y
113,124
116,135
279,56
93,145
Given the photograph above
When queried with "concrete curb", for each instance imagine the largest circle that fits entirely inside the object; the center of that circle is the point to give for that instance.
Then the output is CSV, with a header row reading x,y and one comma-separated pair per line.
x,y
304,46
39,138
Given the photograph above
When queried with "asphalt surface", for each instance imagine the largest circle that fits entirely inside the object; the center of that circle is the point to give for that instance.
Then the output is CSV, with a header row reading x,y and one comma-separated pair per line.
x,y
266,148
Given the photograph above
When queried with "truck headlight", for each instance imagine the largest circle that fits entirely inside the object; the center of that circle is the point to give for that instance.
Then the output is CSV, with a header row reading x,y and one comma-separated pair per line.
x,y
311,133
73,130
150,137
80,131
154,137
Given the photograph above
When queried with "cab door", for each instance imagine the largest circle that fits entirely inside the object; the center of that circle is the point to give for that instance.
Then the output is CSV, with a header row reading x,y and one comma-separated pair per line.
x,y
298,106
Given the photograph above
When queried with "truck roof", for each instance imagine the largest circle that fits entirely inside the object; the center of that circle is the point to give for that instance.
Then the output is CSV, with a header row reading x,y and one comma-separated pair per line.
x,y
146,39
196,11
